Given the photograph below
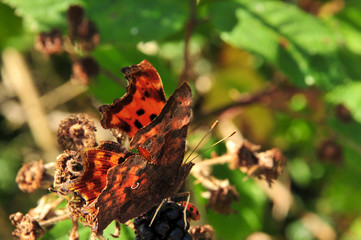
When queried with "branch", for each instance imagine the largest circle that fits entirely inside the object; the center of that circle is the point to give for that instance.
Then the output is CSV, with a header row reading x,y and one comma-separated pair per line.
x,y
189,30
246,100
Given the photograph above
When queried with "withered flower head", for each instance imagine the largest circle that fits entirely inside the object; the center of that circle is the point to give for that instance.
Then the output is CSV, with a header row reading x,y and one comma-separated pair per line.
x,y
202,232
31,176
69,166
343,113
76,132
221,199
268,164
81,29
330,151
246,155
26,227
85,69
49,42
75,15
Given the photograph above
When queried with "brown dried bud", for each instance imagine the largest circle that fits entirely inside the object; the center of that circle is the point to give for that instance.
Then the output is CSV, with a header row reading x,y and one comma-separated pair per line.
x,y
82,29
330,151
32,176
79,210
69,167
16,218
84,69
26,227
76,132
221,199
268,164
310,6
75,15
246,155
202,232
343,113
49,43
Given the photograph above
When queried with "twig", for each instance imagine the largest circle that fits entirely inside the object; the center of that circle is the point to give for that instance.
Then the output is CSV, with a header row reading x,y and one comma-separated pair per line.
x,y
18,74
246,100
189,30
61,95
112,76
54,220
218,160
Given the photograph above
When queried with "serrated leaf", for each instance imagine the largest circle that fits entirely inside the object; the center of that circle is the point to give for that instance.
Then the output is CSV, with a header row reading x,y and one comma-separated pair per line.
x,y
300,45
41,15
124,22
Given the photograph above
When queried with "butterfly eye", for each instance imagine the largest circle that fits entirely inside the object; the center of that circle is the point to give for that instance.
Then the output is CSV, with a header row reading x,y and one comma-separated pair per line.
x,y
136,186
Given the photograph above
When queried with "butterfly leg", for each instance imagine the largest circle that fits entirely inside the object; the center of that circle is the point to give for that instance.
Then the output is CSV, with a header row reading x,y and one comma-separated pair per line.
x,y
156,211
185,210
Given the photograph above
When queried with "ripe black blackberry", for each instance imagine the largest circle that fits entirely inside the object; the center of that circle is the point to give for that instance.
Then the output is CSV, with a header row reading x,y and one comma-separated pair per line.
x,y
168,224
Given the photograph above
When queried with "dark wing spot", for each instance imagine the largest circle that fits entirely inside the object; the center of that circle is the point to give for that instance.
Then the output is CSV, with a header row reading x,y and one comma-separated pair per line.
x,y
146,94
124,126
152,116
160,95
138,124
121,160
140,112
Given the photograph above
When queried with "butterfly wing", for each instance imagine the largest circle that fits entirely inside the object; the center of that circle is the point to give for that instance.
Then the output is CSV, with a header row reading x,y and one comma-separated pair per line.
x,y
143,101
133,188
118,200
137,185
97,161
164,138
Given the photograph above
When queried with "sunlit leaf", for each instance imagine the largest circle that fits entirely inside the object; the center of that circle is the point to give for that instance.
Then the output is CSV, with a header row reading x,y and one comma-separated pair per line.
x,y
41,15
297,43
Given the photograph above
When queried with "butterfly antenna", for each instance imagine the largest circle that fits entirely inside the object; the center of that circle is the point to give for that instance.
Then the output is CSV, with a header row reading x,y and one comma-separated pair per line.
x,y
209,131
214,144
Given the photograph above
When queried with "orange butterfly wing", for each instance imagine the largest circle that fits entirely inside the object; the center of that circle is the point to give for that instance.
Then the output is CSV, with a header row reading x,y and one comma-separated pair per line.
x,y
137,185
96,162
143,101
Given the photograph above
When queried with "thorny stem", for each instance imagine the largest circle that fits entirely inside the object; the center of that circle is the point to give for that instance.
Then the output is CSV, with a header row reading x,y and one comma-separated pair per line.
x,y
189,30
54,220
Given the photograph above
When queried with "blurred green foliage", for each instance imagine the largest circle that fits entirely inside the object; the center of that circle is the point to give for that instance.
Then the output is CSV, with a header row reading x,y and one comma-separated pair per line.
x,y
240,46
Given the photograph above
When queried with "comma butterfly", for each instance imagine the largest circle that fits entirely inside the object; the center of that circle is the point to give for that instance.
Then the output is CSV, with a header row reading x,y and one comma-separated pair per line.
x,y
120,185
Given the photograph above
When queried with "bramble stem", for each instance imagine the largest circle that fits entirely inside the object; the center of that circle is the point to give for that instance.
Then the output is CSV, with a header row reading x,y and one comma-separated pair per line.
x,y
54,220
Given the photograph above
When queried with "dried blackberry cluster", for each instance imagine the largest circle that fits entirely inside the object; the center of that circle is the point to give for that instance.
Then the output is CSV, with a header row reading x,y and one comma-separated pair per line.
x,y
82,38
266,165
168,224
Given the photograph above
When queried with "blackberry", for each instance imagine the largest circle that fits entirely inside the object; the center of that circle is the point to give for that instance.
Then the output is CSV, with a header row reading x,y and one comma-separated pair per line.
x,y
168,223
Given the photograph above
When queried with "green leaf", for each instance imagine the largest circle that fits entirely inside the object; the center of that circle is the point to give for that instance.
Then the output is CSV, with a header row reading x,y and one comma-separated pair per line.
x,y
42,15
300,45
350,95
127,21
348,24
11,24
249,208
